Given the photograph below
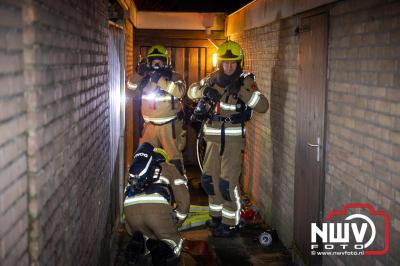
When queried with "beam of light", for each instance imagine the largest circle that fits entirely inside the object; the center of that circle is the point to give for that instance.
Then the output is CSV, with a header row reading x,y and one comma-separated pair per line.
x,y
150,96
214,59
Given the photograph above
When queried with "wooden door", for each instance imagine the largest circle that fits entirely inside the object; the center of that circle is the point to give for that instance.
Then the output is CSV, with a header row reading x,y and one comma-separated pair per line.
x,y
309,170
191,55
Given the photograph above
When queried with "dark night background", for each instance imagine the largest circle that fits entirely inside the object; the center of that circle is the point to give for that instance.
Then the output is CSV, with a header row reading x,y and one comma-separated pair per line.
x,y
227,6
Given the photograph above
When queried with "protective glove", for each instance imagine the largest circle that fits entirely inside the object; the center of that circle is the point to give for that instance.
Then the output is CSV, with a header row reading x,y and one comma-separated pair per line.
x,y
166,72
142,69
178,221
240,106
234,87
212,94
155,76
175,219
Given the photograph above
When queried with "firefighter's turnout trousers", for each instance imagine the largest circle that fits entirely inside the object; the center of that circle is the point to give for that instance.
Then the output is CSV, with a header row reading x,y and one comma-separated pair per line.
x,y
161,109
225,137
220,179
170,136
153,215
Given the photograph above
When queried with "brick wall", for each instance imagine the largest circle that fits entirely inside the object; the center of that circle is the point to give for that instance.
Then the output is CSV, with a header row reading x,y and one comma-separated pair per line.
x,y
270,53
363,119
65,52
13,140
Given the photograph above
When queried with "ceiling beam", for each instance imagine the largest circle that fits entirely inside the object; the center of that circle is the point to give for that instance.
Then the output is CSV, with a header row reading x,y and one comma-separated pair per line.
x,y
180,20
179,38
176,42
180,34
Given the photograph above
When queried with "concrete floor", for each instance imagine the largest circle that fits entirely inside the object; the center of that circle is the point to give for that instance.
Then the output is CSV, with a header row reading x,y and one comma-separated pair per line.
x,y
202,249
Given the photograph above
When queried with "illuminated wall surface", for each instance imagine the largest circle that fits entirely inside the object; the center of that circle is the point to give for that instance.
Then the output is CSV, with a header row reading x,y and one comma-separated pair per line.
x,y
54,132
59,114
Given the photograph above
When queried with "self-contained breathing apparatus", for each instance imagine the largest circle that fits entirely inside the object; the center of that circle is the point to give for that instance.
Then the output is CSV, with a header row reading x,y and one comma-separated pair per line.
x,y
203,111
153,74
145,171
206,112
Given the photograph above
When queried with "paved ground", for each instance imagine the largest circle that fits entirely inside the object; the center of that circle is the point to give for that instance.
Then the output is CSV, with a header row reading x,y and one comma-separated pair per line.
x,y
203,249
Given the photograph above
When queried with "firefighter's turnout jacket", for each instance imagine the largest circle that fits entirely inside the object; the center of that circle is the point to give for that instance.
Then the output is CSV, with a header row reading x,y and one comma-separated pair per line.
x,y
153,213
162,110
224,133
226,108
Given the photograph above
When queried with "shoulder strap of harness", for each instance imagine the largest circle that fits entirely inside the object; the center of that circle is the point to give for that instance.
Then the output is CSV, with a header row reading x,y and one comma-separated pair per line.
x,y
222,148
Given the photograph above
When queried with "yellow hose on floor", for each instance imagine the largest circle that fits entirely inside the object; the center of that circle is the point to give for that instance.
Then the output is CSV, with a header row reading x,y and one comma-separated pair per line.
x,y
198,216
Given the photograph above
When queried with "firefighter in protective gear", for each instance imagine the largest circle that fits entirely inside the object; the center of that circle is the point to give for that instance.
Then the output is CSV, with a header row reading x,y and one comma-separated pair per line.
x,y
161,90
153,185
233,96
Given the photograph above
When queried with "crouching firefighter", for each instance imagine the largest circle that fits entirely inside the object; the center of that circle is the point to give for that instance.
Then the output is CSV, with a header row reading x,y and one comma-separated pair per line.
x,y
154,185
228,99
161,90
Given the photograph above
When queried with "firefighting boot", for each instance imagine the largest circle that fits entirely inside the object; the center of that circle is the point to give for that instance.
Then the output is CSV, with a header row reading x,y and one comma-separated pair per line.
x,y
214,222
161,253
135,248
224,230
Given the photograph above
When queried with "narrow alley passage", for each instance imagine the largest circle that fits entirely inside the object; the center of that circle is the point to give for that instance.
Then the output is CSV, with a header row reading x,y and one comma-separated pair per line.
x,y
278,117
202,249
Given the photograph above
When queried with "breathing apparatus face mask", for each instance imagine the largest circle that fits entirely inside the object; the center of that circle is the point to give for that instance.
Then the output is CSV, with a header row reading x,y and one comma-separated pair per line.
x,y
157,64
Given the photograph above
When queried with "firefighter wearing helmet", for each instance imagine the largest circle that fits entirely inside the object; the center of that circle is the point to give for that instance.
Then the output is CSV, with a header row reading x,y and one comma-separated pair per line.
x,y
161,90
230,96
154,187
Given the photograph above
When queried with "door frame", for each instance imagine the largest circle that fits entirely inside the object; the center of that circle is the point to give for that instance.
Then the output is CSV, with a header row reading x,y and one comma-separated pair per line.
x,y
118,169
315,12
